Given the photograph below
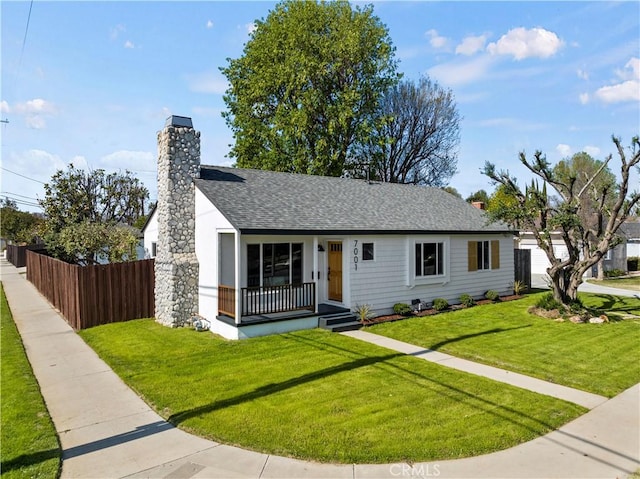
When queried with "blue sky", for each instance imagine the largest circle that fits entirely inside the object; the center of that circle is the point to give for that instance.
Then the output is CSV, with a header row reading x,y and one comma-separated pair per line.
x,y
94,81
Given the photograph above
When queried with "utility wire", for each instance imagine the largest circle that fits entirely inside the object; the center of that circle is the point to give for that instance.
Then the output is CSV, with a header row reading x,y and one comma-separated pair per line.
x,y
22,196
18,174
24,40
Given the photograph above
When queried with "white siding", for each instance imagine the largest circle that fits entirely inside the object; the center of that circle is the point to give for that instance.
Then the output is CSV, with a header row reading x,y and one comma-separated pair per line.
x,y
387,279
150,234
209,224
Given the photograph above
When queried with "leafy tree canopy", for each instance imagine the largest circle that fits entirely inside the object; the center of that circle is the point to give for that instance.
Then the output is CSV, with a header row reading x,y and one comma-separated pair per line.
x,y
586,210
479,195
86,213
307,87
17,226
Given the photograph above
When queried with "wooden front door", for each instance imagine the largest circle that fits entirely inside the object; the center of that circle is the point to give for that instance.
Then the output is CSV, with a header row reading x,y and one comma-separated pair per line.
x,y
334,273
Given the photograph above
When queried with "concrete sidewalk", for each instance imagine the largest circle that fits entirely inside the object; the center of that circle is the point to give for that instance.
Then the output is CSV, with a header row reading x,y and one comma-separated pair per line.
x,y
107,431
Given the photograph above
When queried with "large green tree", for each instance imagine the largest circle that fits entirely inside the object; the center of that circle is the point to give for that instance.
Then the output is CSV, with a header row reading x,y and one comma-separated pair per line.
x,y
15,225
89,215
580,192
307,87
417,139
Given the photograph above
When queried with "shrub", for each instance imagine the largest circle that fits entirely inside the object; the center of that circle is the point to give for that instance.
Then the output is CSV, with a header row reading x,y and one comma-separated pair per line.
x,y
364,312
519,287
440,304
492,295
547,301
614,273
633,263
402,308
467,300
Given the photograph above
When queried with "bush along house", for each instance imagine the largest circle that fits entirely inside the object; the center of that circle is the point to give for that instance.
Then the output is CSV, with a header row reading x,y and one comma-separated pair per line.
x,y
259,252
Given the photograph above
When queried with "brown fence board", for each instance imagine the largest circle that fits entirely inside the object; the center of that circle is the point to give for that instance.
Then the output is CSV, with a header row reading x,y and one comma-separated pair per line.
x,y
88,296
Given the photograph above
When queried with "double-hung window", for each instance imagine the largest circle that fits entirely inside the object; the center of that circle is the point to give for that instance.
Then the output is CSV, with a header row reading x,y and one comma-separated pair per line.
x,y
274,264
429,259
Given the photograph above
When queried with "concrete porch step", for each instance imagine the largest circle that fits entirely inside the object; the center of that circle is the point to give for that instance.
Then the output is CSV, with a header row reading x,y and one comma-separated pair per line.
x,y
338,322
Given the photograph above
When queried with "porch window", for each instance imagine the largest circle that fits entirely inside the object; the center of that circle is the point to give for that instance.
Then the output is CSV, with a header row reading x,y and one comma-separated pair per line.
x,y
274,264
429,259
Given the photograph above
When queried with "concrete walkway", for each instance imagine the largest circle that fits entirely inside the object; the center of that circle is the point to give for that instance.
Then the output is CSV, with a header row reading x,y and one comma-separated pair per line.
x,y
107,431
576,396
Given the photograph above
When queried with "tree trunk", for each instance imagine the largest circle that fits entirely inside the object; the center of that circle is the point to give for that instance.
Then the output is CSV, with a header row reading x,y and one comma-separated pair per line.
x,y
601,269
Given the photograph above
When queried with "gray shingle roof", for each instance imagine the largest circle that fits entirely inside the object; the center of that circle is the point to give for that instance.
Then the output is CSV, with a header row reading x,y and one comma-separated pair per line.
x,y
264,201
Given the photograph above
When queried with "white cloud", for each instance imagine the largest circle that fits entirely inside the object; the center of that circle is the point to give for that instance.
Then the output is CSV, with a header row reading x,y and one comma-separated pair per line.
x,y
40,162
37,105
583,75
209,24
584,98
591,150
35,112
4,107
129,44
628,89
207,82
436,40
522,43
564,150
471,45
250,27
36,122
631,70
461,72
116,31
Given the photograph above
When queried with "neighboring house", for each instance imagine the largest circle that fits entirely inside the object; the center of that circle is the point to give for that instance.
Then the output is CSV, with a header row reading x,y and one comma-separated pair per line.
x,y
271,250
630,231
615,259
539,260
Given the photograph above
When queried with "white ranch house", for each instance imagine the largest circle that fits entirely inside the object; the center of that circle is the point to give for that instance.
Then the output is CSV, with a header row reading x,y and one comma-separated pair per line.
x,y
276,250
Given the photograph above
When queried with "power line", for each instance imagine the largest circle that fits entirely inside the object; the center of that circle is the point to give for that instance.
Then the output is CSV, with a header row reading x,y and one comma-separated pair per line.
x,y
24,40
25,203
22,196
18,174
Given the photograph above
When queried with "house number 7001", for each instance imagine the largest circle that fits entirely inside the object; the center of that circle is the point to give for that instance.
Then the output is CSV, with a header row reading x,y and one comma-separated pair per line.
x,y
355,254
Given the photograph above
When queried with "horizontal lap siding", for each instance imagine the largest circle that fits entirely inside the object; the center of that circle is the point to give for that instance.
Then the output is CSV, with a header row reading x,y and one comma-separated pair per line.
x,y
383,282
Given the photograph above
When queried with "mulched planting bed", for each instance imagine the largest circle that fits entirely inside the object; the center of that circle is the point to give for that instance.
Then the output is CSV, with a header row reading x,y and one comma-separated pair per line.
x,y
432,312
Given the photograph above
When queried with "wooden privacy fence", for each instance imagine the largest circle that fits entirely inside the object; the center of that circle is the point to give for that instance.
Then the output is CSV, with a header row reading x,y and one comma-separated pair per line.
x,y
17,255
522,260
89,296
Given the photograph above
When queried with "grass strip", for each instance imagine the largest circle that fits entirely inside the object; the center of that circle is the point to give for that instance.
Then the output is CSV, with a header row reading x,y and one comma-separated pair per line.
x,y
30,446
320,396
599,358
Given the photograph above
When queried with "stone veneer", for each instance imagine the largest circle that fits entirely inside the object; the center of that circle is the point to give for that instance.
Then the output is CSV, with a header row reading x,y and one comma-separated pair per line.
x,y
176,265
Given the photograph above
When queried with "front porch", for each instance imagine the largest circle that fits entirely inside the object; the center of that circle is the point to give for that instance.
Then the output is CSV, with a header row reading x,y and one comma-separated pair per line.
x,y
260,304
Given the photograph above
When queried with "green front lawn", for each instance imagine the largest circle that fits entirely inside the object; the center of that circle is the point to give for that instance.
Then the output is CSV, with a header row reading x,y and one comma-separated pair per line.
x,y
600,358
632,284
30,445
321,396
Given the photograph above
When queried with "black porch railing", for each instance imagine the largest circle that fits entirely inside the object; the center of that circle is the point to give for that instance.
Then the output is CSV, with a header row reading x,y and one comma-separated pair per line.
x,y
261,300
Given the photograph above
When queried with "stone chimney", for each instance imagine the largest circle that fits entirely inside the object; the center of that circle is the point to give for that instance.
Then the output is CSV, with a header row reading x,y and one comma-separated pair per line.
x,y
176,265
